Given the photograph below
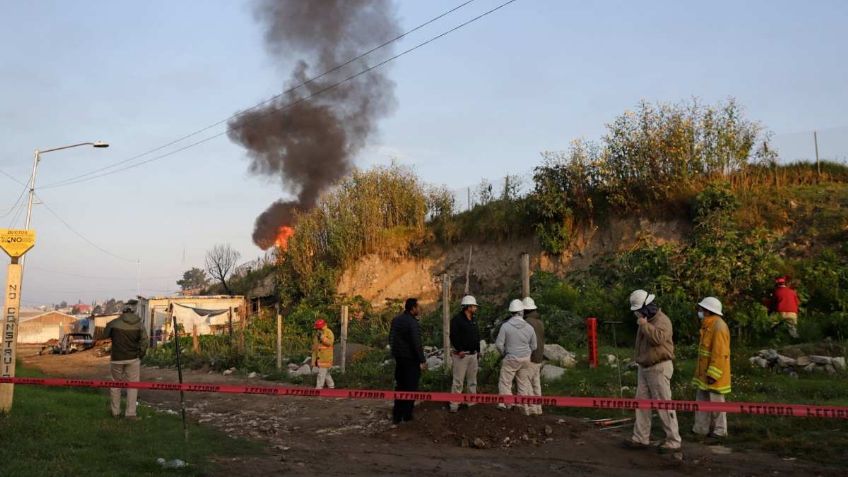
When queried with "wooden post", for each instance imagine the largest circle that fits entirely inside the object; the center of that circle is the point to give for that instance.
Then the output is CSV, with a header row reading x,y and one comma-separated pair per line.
x,y
446,319
525,274
345,314
195,340
10,335
230,320
468,271
818,164
279,338
179,370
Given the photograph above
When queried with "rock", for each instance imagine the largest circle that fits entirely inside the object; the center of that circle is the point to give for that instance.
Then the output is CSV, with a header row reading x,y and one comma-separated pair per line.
x,y
759,362
549,430
838,363
611,359
171,464
434,362
785,361
830,369
479,443
253,375
821,359
304,370
559,355
387,362
810,368
230,371
551,372
633,365
802,361
769,354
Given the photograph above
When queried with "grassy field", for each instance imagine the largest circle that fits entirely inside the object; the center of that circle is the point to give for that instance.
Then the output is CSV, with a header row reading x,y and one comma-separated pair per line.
x,y
63,431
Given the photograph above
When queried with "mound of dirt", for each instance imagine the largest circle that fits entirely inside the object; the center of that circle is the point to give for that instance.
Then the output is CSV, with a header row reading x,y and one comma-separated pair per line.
x,y
482,426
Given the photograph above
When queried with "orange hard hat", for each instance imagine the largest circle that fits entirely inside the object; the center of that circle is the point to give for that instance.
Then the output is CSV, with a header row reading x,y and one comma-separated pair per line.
x,y
320,324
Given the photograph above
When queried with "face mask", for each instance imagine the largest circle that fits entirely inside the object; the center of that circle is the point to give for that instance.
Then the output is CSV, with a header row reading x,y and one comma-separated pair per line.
x,y
700,315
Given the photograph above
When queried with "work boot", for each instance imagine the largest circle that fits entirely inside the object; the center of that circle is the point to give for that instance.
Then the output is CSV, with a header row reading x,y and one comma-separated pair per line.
x,y
631,444
666,448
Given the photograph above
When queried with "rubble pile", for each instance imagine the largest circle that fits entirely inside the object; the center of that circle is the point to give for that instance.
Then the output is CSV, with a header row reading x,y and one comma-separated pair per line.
x,y
771,359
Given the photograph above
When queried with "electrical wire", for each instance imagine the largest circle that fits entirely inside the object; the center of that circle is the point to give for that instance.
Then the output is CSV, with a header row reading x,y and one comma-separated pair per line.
x,y
12,178
92,175
83,237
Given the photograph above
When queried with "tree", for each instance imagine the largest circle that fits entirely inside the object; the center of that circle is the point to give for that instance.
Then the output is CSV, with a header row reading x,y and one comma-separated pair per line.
x,y
193,279
220,263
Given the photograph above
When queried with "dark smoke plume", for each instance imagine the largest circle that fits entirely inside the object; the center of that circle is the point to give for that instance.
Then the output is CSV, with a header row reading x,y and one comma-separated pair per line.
x,y
311,144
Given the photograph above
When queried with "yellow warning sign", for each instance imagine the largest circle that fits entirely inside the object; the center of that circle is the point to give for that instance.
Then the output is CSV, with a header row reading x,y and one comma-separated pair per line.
x,y
16,242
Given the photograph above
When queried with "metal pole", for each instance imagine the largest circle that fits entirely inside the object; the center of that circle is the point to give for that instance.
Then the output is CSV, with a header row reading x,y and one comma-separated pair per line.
x,y
179,370
615,346
35,162
345,316
446,319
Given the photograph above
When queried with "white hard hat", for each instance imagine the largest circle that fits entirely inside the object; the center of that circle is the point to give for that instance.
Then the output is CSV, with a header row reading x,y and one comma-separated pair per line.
x,y
468,300
711,304
529,304
639,299
515,306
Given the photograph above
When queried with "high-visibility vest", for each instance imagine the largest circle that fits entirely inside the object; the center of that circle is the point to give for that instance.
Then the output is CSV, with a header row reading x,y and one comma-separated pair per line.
x,y
322,348
713,356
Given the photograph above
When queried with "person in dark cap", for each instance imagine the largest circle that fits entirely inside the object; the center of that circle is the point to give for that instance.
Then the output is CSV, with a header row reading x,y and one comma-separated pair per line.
x,y
129,345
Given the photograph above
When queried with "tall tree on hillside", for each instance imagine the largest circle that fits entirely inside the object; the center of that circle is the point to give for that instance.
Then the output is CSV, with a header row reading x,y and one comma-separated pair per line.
x,y
193,279
221,261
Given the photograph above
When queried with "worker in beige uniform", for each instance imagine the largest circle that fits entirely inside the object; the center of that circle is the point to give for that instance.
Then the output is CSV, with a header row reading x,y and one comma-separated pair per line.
x,y
534,372
654,352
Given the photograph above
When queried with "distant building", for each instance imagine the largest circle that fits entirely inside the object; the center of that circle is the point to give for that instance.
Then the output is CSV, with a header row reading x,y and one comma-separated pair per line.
x,y
210,314
40,327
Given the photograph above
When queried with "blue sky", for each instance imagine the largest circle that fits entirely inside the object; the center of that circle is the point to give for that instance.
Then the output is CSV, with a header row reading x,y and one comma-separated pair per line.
x,y
482,102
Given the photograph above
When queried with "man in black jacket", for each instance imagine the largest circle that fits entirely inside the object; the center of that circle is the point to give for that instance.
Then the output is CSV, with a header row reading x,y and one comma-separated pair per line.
x,y
129,345
405,341
465,341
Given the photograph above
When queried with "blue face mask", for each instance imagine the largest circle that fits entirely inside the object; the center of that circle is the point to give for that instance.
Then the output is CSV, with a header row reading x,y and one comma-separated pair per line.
x,y
700,315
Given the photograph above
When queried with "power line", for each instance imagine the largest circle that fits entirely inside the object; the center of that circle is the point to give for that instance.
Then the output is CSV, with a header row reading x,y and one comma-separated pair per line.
x,y
94,174
262,103
90,277
12,178
69,227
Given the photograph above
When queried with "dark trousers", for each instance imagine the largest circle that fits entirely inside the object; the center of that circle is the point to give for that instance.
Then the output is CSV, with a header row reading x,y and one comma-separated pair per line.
x,y
407,375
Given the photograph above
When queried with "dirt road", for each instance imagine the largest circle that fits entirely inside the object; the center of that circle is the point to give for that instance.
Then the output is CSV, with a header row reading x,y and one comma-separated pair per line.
x,y
307,436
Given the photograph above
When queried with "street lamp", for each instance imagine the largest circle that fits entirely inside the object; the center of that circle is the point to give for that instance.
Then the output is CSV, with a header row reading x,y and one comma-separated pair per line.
x,y
37,159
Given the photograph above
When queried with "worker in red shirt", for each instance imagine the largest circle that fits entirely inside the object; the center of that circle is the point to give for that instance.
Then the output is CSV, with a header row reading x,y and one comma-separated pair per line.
x,y
784,306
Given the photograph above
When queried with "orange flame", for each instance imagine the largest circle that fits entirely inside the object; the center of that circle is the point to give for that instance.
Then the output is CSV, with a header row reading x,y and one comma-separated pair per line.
x,y
283,236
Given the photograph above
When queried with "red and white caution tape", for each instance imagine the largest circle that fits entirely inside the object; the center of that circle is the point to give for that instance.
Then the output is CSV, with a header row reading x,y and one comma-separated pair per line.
x,y
767,409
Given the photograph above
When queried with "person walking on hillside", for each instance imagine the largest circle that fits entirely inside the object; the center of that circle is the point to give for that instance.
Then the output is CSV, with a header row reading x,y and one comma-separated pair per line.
x,y
516,341
784,306
531,316
129,345
465,341
322,354
712,375
654,355
405,342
